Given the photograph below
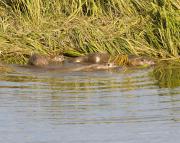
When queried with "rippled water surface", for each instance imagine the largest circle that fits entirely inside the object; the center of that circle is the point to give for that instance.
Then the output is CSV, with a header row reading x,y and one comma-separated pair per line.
x,y
133,106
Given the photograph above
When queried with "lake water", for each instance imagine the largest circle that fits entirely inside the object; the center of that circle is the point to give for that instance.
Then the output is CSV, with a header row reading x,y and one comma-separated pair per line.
x,y
132,106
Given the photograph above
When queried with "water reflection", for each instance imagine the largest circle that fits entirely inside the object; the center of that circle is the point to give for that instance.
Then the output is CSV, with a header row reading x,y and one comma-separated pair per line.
x,y
40,102
167,75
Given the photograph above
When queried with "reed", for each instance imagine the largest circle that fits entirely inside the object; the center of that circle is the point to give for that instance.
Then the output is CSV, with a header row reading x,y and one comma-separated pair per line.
x,y
77,27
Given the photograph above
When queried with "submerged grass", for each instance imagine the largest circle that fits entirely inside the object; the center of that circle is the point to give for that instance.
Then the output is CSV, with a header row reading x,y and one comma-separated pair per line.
x,y
78,27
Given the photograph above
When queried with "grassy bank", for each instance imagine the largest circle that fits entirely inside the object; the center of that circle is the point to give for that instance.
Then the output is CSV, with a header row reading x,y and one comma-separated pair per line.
x,y
77,27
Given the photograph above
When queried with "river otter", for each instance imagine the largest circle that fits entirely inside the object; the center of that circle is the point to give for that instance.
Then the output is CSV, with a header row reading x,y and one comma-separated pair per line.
x,y
104,66
57,59
89,67
38,60
93,63
94,58
140,61
43,60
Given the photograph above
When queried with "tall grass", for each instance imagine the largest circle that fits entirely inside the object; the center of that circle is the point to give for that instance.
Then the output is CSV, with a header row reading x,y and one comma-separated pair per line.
x,y
76,27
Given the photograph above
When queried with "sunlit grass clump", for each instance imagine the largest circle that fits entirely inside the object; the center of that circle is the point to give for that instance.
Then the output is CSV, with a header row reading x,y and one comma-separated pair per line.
x,y
78,27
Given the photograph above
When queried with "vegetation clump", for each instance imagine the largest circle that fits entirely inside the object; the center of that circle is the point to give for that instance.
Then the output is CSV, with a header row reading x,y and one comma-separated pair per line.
x,y
78,27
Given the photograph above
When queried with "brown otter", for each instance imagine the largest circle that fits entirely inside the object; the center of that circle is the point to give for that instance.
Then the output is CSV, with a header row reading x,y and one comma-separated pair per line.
x,y
57,59
93,58
95,64
43,60
90,67
38,60
104,66
140,61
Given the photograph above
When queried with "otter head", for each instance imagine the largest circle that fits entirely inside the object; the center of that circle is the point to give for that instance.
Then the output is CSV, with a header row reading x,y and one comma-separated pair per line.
x,y
147,62
59,58
106,66
111,65
140,61
38,60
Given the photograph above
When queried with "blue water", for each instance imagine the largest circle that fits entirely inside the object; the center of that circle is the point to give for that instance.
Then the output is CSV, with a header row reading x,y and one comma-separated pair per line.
x,y
133,106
